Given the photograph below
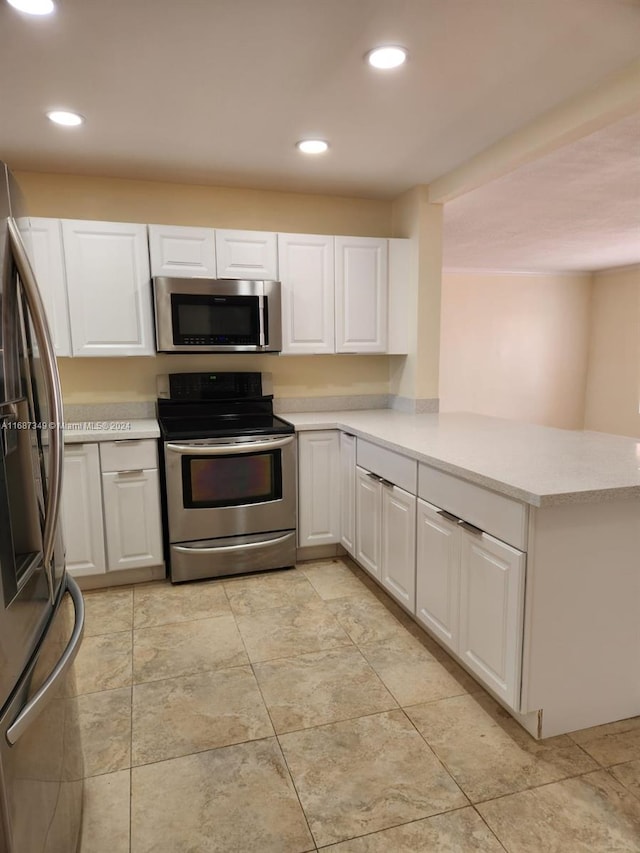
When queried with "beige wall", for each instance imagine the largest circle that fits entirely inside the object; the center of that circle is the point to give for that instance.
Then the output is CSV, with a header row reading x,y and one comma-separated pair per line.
x,y
613,379
515,346
107,379
93,380
79,197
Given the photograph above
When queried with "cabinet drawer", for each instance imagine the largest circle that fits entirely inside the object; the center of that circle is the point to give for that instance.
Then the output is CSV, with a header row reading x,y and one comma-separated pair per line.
x,y
398,469
502,517
128,455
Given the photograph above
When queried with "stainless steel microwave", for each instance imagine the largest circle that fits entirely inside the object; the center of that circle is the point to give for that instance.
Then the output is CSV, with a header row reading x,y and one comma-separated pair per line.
x,y
217,315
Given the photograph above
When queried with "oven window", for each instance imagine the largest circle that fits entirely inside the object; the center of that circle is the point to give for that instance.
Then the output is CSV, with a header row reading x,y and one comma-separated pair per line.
x,y
232,480
215,319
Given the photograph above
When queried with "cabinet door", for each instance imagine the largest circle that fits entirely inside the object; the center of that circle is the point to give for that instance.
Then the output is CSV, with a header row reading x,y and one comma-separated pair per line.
x,y
306,266
438,574
368,521
491,612
348,492
398,561
109,288
48,264
82,510
361,294
132,519
246,254
179,251
318,488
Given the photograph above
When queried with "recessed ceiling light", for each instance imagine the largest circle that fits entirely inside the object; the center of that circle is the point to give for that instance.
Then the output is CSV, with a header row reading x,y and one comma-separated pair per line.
x,y
66,118
312,146
33,7
387,56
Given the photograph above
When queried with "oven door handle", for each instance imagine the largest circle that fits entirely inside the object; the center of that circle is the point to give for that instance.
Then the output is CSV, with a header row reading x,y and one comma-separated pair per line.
x,y
230,449
218,549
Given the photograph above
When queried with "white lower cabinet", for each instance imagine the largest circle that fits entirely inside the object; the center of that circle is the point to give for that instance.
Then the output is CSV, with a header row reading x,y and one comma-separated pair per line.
x,y
438,574
111,518
132,519
348,492
82,510
491,612
318,488
398,564
470,594
368,521
386,534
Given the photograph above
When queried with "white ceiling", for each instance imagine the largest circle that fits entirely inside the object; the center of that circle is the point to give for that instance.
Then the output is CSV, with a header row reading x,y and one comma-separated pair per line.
x,y
218,91
578,208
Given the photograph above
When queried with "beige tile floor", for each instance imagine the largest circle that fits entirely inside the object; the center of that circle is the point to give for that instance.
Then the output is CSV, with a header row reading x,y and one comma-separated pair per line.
x,y
303,710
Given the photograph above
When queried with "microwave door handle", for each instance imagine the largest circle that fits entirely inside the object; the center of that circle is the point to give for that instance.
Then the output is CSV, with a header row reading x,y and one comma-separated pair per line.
x,y
229,449
262,319
43,696
54,393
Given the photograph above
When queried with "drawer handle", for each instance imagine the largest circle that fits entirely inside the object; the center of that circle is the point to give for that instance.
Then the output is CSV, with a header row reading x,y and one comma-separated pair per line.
x,y
449,516
374,477
121,441
471,528
131,472
387,483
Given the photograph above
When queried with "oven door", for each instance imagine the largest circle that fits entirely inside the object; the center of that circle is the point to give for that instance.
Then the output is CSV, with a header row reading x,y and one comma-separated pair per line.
x,y
230,487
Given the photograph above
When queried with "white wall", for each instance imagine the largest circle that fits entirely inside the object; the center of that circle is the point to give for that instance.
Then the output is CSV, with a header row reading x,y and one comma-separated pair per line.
x,y
515,346
613,375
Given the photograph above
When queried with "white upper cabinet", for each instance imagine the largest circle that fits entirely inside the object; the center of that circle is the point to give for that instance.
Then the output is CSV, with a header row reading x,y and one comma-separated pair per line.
x,y
246,254
109,289
48,263
361,294
306,263
181,251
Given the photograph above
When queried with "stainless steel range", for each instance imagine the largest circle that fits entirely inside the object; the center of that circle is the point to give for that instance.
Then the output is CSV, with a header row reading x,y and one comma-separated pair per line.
x,y
229,475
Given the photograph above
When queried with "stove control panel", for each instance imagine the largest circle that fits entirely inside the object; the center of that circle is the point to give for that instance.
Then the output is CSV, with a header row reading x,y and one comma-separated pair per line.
x,y
216,385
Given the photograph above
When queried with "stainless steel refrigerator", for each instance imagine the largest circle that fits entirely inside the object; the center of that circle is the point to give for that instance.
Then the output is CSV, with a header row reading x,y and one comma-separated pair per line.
x,y
41,608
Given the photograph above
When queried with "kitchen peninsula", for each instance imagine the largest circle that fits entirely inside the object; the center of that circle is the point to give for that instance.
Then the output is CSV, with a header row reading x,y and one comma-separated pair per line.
x,y
517,546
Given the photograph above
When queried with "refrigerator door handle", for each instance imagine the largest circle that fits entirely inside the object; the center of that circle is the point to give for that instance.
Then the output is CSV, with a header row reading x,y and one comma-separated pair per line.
x,y
44,695
54,393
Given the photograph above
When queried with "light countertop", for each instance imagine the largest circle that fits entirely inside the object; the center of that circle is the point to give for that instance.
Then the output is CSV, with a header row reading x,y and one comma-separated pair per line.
x,y
128,429
539,465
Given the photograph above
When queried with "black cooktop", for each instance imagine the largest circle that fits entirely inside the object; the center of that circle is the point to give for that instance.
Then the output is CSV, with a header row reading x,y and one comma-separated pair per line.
x,y
221,405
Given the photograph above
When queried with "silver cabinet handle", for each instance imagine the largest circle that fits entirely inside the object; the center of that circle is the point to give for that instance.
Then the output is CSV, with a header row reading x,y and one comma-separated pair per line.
x,y
230,449
219,549
130,472
54,393
44,695
374,477
449,516
387,483
471,528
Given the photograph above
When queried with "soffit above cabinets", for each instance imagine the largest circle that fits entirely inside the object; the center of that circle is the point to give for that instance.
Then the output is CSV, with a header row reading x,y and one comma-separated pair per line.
x,y
578,208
